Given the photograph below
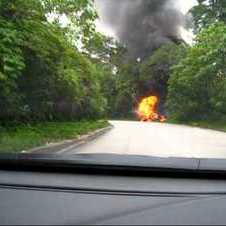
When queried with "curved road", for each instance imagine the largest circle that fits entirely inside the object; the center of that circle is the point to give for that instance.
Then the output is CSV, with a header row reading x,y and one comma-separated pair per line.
x,y
157,139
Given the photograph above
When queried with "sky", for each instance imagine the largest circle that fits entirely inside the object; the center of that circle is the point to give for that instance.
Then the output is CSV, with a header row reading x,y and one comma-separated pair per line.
x,y
184,5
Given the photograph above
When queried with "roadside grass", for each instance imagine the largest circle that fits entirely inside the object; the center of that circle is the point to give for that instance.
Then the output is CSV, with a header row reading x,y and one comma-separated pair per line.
x,y
214,124
24,137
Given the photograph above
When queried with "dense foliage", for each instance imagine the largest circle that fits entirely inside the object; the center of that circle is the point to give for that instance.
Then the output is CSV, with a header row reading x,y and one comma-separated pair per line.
x,y
197,87
208,12
54,70
43,76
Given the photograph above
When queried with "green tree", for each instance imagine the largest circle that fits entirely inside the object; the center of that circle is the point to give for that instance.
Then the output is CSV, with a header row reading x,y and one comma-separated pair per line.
x,y
197,86
43,76
127,92
81,15
208,12
11,66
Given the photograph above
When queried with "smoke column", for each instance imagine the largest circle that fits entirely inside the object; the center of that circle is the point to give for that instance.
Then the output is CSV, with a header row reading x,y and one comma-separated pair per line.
x,y
144,25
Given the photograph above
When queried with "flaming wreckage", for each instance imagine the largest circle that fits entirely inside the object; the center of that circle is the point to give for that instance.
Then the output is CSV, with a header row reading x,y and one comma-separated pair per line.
x,y
148,110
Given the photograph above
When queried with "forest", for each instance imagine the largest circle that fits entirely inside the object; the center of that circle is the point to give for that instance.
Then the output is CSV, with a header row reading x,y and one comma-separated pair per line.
x,y
50,71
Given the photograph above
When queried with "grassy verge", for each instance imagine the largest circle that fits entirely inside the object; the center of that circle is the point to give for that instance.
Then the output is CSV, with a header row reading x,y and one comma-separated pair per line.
x,y
24,137
215,125
219,125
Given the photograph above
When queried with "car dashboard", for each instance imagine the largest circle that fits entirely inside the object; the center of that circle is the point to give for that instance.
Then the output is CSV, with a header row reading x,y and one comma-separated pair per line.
x,y
81,197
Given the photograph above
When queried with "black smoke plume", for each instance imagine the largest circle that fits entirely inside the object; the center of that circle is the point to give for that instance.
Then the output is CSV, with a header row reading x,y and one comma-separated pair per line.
x,y
142,25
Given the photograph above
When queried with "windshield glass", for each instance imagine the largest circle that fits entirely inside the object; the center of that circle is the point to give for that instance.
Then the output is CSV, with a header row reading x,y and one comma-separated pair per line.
x,y
140,77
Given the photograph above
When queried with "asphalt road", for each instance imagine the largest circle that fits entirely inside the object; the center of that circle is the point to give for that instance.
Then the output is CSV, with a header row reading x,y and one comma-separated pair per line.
x,y
157,139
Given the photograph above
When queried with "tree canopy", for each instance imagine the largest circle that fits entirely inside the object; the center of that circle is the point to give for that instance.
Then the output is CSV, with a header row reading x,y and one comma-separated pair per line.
x,y
42,73
208,12
197,87
54,65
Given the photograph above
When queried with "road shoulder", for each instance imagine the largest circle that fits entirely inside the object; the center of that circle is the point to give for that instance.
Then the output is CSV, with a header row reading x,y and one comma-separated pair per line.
x,y
67,145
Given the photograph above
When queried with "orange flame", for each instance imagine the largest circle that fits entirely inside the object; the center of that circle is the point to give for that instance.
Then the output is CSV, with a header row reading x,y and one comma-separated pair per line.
x,y
148,110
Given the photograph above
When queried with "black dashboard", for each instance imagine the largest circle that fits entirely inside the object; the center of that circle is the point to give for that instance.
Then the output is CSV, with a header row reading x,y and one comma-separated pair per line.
x,y
32,197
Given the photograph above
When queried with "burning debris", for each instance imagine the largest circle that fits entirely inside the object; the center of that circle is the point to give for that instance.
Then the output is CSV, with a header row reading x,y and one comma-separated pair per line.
x,y
148,110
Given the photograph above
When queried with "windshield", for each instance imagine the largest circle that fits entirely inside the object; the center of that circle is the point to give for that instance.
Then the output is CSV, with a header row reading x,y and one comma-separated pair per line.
x,y
140,77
